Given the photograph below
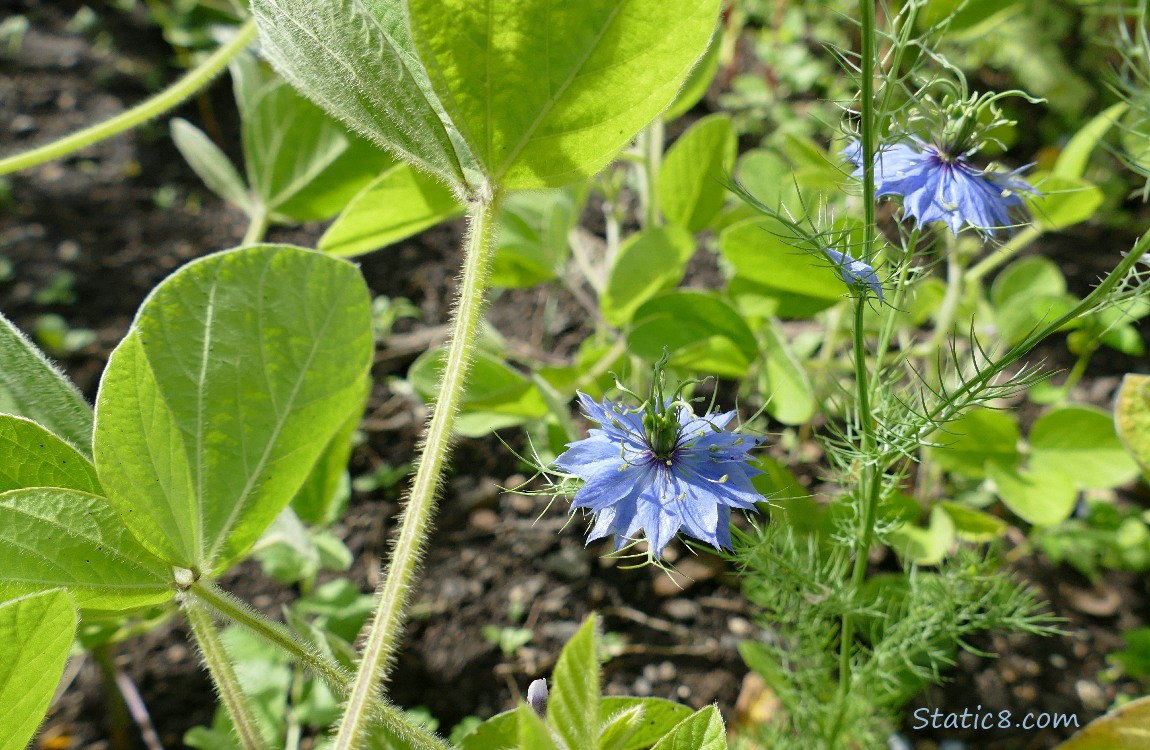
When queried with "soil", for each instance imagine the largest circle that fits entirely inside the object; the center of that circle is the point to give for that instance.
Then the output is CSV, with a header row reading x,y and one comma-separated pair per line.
x,y
121,215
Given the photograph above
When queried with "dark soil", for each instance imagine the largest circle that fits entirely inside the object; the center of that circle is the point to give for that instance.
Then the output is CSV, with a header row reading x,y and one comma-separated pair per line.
x,y
123,214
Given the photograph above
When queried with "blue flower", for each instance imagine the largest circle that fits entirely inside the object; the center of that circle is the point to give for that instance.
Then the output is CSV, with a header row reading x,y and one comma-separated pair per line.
x,y
938,186
855,272
661,469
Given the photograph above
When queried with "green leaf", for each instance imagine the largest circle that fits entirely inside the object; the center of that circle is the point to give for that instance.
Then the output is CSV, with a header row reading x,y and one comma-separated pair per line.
x,y
384,95
649,262
547,93
980,437
620,728
31,387
1040,498
533,231
534,733
973,525
692,179
766,264
60,538
659,717
699,81
399,203
573,705
330,191
1027,293
703,730
210,164
1125,728
288,141
1075,157
325,490
701,331
36,635
925,546
1064,201
789,394
1132,417
1080,442
236,373
30,456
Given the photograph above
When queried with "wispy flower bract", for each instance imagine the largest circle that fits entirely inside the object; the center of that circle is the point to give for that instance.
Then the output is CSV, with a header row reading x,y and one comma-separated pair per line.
x,y
659,469
938,186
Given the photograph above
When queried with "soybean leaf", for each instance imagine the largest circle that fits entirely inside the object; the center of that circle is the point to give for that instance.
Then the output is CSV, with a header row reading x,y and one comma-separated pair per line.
x,y
701,331
399,203
692,179
1132,417
790,397
1065,201
325,490
973,525
384,95
1042,498
288,141
237,371
765,264
702,730
1080,442
1075,157
331,190
210,164
533,232
659,717
546,92
36,635
573,705
648,263
925,546
30,456
699,81
534,733
31,387
980,437
1027,293
61,538
620,728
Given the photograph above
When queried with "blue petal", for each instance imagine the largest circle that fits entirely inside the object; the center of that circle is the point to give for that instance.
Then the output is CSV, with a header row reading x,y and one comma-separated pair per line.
x,y
855,272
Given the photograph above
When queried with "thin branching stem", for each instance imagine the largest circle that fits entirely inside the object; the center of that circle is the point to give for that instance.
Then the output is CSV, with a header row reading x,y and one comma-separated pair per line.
x,y
387,624
162,102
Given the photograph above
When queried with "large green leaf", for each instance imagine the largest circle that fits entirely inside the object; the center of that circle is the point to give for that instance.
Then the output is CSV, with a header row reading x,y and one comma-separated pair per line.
x,y
767,263
692,180
533,236
702,730
649,262
31,387
1081,443
356,59
324,493
980,437
547,92
1040,498
59,538
534,733
700,331
30,456
234,376
573,705
35,636
785,385
399,203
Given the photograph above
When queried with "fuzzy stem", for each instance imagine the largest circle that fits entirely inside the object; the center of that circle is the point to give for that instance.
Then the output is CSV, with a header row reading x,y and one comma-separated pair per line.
x,y
386,627
162,102
257,226
238,706
304,654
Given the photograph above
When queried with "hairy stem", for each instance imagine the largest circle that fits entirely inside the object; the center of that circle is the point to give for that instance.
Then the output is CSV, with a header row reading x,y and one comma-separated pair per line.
x,y
257,226
236,703
162,102
386,627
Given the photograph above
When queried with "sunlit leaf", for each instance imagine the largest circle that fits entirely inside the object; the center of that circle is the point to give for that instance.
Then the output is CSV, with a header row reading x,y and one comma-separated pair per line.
x,y
36,634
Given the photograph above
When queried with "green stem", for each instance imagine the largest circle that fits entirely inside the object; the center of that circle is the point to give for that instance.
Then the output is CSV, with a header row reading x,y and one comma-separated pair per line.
x,y
304,654
228,685
651,142
947,308
386,626
257,226
162,102
868,489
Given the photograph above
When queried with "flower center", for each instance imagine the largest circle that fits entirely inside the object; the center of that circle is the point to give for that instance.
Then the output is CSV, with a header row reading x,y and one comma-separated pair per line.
x,y
661,429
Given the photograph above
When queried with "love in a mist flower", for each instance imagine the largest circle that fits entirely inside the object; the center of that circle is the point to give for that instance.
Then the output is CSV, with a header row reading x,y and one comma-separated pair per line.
x,y
855,272
937,184
660,469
